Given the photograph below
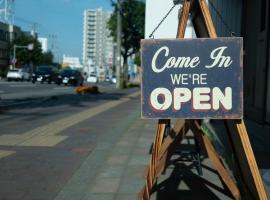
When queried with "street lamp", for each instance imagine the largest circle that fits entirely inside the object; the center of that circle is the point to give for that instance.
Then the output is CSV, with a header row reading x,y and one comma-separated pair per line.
x,y
30,47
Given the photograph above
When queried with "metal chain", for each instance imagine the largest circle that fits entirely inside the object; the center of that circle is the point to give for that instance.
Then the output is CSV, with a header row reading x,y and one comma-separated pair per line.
x,y
221,18
162,20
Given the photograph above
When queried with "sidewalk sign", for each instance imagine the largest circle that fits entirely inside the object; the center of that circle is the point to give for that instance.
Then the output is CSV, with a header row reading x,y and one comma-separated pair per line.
x,y
192,78
165,142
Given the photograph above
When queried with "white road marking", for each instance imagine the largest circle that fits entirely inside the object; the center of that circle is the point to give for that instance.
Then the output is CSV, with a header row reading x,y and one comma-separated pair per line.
x,y
47,135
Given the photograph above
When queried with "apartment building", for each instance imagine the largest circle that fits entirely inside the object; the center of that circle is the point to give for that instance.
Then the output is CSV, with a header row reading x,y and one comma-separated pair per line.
x,y
97,43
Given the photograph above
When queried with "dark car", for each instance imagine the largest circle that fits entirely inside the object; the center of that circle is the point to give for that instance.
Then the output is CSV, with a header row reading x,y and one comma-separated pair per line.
x,y
70,76
45,74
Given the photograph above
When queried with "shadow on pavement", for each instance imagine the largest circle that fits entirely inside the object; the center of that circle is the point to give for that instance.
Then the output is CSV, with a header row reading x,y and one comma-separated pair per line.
x,y
74,100
185,184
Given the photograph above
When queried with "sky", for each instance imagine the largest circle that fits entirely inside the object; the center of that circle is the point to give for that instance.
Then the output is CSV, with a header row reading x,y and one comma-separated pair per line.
x,y
60,21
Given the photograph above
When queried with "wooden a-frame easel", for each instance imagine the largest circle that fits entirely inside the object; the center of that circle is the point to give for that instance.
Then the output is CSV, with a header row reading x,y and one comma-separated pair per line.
x,y
251,185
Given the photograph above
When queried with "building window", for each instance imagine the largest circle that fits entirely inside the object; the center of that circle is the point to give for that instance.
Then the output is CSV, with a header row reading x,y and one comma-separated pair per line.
x,y
263,15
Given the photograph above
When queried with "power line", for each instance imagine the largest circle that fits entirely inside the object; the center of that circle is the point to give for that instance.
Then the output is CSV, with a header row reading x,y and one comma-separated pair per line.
x,y
25,20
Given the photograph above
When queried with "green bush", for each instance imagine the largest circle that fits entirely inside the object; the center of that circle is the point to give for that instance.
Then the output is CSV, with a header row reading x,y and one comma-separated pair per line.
x,y
132,85
123,84
3,73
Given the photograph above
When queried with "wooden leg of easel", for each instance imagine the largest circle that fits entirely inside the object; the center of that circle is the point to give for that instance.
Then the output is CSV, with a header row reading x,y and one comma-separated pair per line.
x,y
207,19
174,133
151,171
158,141
245,159
174,139
214,157
183,20
155,168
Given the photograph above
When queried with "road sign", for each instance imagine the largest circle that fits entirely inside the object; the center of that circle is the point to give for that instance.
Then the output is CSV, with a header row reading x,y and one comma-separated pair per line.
x,y
192,78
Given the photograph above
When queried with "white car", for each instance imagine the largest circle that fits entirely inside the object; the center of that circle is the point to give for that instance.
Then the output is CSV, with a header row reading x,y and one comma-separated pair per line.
x,y
92,78
113,79
18,74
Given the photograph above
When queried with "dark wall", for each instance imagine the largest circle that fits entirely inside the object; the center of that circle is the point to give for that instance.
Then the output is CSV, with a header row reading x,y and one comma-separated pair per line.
x,y
249,19
255,33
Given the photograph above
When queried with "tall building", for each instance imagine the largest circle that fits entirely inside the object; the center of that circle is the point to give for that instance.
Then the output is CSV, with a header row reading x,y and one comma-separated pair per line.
x,y
73,62
97,43
44,44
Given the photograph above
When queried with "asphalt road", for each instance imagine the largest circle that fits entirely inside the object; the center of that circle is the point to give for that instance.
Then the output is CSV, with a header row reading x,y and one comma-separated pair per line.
x,y
43,143
17,93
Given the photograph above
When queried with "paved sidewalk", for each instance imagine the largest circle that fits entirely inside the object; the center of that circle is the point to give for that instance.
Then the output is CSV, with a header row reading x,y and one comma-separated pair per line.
x,y
114,170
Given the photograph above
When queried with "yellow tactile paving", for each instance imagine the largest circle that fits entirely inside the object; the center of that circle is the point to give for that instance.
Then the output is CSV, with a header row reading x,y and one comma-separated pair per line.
x,y
43,141
4,153
46,135
11,140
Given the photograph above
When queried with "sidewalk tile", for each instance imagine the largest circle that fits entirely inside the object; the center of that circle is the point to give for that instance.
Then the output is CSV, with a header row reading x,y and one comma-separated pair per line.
x,y
98,197
111,171
121,151
135,171
117,159
139,160
130,185
126,197
105,185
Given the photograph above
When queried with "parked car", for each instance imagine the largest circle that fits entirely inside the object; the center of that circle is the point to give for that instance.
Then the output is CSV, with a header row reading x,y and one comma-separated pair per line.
x,y
92,78
113,79
45,74
18,74
70,76
107,79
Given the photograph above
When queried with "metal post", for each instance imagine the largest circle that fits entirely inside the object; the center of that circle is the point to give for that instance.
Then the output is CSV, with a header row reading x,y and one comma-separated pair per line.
x,y
30,47
119,31
14,57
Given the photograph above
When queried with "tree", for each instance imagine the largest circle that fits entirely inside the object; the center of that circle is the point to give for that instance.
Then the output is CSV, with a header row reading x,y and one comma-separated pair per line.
x,y
23,55
133,17
46,58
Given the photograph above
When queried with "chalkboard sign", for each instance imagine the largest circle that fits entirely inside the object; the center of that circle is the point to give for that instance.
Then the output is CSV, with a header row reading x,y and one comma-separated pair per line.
x,y
192,78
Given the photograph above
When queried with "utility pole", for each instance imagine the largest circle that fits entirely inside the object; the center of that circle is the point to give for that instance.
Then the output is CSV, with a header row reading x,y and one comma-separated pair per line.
x,y
53,38
34,29
118,49
7,11
7,16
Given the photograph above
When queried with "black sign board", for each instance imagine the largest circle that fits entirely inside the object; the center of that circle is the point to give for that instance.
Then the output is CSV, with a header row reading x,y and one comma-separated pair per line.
x,y
192,78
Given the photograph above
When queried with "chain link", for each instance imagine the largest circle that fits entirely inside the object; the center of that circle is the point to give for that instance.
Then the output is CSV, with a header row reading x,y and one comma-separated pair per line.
x,y
233,34
162,20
